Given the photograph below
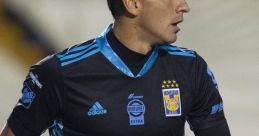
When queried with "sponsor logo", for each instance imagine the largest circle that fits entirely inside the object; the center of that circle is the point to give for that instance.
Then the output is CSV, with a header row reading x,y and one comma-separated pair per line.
x,y
27,97
136,110
34,79
57,128
212,77
172,99
96,109
217,108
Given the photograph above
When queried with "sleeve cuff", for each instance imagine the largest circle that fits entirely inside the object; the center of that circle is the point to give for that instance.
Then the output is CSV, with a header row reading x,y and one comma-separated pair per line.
x,y
18,127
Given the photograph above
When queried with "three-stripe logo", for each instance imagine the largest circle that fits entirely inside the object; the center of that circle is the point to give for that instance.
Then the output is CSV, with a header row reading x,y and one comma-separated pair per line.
x,y
96,109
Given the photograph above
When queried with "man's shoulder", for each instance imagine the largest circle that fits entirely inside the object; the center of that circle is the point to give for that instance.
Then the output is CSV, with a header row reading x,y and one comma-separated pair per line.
x,y
174,50
181,55
73,55
77,53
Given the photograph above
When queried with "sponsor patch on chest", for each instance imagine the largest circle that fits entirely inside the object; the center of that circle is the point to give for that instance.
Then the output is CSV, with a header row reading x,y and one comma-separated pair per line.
x,y
136,110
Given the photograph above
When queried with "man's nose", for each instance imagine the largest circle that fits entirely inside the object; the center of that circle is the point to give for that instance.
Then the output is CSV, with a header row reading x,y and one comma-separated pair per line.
x,y
183,7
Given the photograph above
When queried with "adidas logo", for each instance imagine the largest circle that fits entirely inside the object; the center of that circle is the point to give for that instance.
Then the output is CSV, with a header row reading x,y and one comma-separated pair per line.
x,y
96,109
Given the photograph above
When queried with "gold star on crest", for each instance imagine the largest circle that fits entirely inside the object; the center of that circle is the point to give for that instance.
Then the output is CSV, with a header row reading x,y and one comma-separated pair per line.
x,y
163,86
167,84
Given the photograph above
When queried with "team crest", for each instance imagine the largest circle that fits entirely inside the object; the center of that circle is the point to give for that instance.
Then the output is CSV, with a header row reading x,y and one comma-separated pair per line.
x,y
172,99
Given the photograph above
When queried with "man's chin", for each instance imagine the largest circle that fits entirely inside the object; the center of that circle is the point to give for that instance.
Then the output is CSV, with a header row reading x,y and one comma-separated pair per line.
x,y
168,40
172,39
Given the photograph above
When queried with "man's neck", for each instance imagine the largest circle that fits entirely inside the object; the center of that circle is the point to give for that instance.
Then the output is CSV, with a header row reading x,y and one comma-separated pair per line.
x,y
130,36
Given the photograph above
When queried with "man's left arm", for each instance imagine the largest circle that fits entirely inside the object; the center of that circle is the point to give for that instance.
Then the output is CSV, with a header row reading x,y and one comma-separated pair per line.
x,y
206,117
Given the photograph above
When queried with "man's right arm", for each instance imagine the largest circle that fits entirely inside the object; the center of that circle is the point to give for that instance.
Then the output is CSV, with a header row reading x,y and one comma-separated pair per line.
x,y
39,104
6,131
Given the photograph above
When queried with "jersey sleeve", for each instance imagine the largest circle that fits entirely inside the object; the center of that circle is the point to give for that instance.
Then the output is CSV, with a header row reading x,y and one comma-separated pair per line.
x,y
207,113
39,104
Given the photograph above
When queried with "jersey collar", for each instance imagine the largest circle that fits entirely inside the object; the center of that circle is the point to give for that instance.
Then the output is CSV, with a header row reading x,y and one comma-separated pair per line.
x,y
108,52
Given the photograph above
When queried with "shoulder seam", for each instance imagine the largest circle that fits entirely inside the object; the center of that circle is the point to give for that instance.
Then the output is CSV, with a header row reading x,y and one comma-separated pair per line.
x,y
77,53
178,51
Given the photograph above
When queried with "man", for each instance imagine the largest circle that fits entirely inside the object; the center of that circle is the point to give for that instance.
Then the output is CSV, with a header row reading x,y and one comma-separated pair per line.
x,y
129,81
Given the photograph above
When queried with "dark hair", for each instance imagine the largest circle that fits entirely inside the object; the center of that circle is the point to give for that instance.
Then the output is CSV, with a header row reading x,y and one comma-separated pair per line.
x,y
116,7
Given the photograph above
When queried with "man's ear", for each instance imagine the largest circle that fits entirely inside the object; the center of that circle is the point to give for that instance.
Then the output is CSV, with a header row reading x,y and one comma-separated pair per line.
x,y
133,7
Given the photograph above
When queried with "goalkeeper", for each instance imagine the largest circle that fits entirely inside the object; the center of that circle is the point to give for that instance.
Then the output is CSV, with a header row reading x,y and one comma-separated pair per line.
x,y
129,81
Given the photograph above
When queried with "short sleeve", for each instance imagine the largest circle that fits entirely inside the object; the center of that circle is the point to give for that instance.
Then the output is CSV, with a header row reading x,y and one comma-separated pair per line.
x,y
207,108
39,104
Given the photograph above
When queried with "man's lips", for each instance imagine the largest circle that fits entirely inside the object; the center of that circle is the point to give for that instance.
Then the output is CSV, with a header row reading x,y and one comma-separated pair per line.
x,y
177,22
175,25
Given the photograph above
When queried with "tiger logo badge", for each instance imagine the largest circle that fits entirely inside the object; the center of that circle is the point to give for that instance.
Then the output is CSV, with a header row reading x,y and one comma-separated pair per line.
x,y
171,97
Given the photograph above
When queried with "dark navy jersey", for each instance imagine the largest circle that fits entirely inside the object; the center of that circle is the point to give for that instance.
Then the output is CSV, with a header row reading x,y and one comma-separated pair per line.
x,y
88,90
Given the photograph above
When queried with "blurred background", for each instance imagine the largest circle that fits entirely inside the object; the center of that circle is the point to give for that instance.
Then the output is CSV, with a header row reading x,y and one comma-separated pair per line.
x,y
225,33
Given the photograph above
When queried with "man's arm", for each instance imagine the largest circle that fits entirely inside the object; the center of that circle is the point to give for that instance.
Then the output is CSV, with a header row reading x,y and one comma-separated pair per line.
x,y
6,131
220,130
206,118
39,104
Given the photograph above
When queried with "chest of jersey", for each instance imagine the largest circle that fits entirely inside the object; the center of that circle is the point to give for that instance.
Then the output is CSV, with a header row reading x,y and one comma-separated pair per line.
x,y
112,103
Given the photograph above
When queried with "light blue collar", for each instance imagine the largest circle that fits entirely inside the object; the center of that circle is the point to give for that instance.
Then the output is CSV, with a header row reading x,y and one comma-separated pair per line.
x,y
107,51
